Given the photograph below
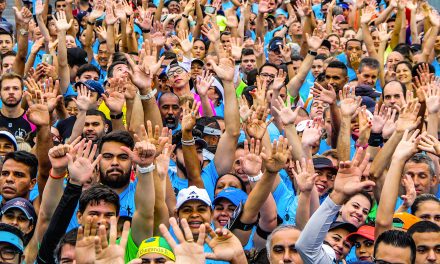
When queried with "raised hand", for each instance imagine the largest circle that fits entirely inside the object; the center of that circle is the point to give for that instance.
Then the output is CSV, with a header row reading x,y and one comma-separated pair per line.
x,y
256,126
110,18
61,22
390,123
236,48
144,151
224,70
184,41
258,48
429,144
379,118
127,8
315,41
304,173
245,111
348,180
38,112
408,118
204,82
349,102
113,251
58,156
97,12
22,16
211,31
155,138
410,191
85,241
252,160
188,250
384,35
263,7
163,160
326,95
279,80
259,94
278,156
84,99
407,146
39,7
158,35
312,133
364,124
285,112
367,15
82,165
114,98
51,94
286,51
146,19
432,97
189,116
224,244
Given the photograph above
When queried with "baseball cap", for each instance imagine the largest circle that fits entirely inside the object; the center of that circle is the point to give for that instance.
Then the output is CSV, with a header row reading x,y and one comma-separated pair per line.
x,y
404,220
327,44
302,125
234,195
6,27
365,231
282,12
275,43
192,193
10,137
347,226
156,245
6,236
92,85
22,204
76,56
324,163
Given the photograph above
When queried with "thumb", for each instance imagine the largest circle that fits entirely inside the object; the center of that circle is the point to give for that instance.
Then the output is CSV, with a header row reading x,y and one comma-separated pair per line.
x,y
211,256
366,184
128,151
70,159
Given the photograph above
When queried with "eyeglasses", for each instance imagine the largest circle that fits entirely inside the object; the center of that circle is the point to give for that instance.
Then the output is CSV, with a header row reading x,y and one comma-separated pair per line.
x,y
8,253
267,75
171,74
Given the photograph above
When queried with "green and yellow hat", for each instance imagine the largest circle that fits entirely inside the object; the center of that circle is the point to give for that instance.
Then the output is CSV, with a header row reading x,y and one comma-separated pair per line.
x,y
156,245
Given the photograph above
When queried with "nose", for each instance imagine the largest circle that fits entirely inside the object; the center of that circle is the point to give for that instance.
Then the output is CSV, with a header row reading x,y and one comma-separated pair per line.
x,y
432,257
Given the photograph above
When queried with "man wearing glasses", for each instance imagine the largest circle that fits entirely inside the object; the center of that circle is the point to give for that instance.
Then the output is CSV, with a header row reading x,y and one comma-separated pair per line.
x,y
11,245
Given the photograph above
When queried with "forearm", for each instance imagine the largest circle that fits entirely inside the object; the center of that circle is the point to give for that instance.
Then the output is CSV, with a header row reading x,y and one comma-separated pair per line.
x,y
158,12
30,62
206,106
395,34
428,45
111,40
303,210
343,145
413,25
160,207
132,45
22,41
59,222
432,127
138,119
296,82
192,164
151,110
123,46
381,162
383,16
63,68
43,29
142,224
78,126
294,141
336,117
44,144
368,41
260,26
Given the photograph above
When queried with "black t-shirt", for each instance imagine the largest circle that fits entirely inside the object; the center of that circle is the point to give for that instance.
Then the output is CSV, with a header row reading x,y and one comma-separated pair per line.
x,y
65,127
19,127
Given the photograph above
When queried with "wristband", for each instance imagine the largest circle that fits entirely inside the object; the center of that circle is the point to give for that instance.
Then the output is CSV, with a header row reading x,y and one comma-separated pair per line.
x,y
118,116
375,140
190,142
255,178
149,95
359,146
146,31
289,63
57,177
313,53
144,170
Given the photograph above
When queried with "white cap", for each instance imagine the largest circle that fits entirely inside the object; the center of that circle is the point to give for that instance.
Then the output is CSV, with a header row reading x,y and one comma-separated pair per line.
x,y
303,124
192,193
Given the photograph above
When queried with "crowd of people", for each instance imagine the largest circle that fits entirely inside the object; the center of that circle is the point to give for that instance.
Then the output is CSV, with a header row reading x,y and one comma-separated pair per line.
x,y
220,131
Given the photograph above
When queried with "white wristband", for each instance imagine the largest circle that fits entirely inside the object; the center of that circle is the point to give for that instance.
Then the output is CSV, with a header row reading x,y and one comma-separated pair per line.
x,y
255,178
144,170
149,95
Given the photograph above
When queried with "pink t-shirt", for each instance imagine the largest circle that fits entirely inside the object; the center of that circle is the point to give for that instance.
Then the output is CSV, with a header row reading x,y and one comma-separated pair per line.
x,y
197,99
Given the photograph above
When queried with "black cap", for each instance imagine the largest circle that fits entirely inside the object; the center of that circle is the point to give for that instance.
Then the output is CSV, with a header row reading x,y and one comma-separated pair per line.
x,y
76,56
275,43
347,226
324,163
6,27
326,44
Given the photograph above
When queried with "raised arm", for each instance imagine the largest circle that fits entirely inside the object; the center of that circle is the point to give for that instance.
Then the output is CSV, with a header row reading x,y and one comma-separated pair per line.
x,y
22,19
115,101
428,44
41,16
84,103
110,20
63,67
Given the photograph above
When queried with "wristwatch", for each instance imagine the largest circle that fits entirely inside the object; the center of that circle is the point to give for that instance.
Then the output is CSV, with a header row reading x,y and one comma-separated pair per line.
x,y
118,116
313,53
149,95
23,31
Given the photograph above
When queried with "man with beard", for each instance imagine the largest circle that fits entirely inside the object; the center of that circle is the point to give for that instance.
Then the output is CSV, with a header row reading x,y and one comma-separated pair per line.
x,y
95,126
170,110
12,115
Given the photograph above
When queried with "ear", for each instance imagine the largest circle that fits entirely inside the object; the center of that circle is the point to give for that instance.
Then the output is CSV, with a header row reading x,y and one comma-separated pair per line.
x,y
76,79
176,215
79,217
106,128
33,182
173,156
99,102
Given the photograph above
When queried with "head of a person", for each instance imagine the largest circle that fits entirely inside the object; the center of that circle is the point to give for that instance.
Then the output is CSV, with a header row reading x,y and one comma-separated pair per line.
x,y
194,205
325,48
356,209
229,180
102,55
6,40
335,42
403,72
393,94
60,5
98,201
96,90
318,65
87,72
336,238
268,72
18,176
427,208
71,42
118,68
76,57
199,49
65,250
8,61
115,164
170,110
349,33
224,205
274,51
155,250
11,244
248,60
392,59
363,241
296,63
8,143
426,236
19,212
280,245
11,89
353,47
326,174
178,78
173,7
177,156
395,246
225,39
2,6
95,126
210,132
70,105
336,75
405,50
420,168
368,71
317,108
196,68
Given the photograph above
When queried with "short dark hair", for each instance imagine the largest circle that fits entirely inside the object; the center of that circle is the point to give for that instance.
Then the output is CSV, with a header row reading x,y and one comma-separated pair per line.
x,y
370,63
26,158
11,76
113,65
297,58
243,185
366,195
87,68
68,239
94,112
353,40
246,52
167,94
120,136
404,49
423,198
68,99
401,86
398,239
321,57
97,193
268,64
2,32
423,227
9,53
338,65
406,63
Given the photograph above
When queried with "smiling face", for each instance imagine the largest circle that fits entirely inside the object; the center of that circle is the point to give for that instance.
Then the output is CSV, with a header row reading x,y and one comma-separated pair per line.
x,y
324,181
196,213
222,212
355,210
403,73
336,239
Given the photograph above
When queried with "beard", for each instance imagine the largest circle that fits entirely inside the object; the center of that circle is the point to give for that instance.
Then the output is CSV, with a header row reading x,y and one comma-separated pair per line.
x,y
170,122
117,182
10,104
